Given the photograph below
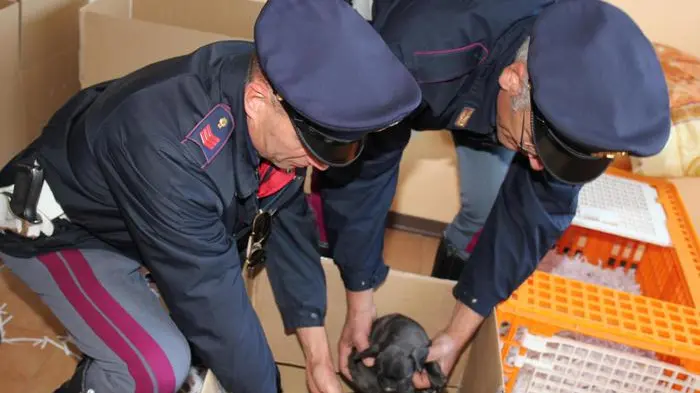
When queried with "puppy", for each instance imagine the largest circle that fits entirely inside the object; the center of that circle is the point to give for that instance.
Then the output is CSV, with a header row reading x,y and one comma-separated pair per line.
x,y
400,346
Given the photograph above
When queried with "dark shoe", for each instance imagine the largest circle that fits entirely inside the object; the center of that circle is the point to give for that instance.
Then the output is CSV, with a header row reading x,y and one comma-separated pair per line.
x,y
448,265
75,384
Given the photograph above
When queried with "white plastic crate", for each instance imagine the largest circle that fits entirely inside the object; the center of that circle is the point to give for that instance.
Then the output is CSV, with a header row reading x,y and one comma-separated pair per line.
x,y
561,365
624,207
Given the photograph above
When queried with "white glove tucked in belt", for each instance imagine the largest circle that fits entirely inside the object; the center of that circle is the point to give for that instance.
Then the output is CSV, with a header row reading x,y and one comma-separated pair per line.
x,y
47,208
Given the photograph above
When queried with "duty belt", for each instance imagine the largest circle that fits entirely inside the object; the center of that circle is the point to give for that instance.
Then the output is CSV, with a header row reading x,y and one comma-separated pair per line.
x,y
28,207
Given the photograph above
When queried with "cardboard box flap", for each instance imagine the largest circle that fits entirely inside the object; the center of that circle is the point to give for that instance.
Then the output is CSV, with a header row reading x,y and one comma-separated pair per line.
x,y
484,369
230,18
140,42
427,300
9,38
116,8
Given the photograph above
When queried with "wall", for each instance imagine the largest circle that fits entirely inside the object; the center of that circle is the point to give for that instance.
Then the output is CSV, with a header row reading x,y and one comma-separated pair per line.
x,y
428,186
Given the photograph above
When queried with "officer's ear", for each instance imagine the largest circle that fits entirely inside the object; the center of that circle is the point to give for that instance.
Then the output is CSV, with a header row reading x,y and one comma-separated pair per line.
x,y
257,98
513,77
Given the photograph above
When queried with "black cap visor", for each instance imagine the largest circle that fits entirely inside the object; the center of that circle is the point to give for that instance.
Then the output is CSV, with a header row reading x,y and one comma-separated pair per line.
x,y
559,158
323,148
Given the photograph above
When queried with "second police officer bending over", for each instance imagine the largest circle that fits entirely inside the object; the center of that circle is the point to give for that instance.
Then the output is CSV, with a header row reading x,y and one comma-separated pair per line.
x,y
567,85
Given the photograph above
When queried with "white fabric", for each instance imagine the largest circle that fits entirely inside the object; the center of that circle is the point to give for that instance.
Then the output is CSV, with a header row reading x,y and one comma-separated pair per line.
x,y
364,8
47,208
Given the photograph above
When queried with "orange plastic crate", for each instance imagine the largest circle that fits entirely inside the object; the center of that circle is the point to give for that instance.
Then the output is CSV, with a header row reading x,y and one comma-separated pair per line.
x,y
535,360
665,319
671,274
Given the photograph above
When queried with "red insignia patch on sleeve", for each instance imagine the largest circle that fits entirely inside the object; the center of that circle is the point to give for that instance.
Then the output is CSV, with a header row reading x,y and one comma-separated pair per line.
x,y
212,132
209,140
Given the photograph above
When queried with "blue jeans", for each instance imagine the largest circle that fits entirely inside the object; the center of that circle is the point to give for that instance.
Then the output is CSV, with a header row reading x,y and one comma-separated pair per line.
x,y
481,173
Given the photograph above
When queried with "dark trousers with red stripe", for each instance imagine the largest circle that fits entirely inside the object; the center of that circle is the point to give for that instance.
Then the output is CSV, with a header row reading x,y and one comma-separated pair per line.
x,y
103,300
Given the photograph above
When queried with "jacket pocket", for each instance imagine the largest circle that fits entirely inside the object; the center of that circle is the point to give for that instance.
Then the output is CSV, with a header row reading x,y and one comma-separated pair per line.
x,y
442,65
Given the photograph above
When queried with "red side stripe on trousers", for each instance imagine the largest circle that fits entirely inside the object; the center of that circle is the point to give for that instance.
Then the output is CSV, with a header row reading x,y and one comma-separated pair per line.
x,y
113,320
472,243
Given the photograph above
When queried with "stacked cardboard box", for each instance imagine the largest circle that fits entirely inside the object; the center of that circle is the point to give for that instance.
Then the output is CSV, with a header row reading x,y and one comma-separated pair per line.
x,y
38,66
119,36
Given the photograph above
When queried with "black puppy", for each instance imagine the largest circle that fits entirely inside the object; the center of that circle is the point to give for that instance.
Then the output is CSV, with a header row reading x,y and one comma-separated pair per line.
x,y
400,346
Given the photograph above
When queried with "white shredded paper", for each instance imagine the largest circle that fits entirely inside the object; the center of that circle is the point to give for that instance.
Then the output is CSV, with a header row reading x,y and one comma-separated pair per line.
x,y
59,342
578,268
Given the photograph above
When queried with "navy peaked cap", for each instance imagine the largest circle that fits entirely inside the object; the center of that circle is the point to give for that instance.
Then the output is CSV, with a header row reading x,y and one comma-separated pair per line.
x,y
598,88
332,67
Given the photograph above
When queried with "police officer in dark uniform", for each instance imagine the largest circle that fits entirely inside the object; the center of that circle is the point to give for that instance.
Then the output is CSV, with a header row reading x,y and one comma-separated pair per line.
x,y
179,167
568,85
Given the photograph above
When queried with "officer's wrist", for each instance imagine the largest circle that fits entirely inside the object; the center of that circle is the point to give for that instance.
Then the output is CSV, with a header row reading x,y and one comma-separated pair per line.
x,y
360,301
314,343
463,324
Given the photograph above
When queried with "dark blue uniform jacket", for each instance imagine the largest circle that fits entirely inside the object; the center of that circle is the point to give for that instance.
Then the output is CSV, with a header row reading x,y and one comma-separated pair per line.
x,y
456,50
159,166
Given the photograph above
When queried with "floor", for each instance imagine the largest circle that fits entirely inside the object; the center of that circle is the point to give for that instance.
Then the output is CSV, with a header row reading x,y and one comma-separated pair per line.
x,y
40,363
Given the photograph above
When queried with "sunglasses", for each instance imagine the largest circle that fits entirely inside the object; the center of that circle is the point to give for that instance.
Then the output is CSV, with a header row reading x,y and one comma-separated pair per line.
x,y
331,151
260,232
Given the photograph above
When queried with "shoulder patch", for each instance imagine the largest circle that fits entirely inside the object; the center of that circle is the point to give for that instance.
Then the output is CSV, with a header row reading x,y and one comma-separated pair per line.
x,y
463,117
212,132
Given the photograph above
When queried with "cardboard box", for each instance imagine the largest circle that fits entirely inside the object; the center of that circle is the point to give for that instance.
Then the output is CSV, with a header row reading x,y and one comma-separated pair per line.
x,y
38,66
120,36
428,300
9,38
49,28
11,115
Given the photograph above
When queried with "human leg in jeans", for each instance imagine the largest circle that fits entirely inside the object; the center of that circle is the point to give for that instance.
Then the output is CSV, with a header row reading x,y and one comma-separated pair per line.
x,y
481,173
129,343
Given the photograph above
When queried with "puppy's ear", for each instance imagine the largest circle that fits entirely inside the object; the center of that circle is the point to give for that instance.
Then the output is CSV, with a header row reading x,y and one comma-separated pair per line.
x,y
437,378
418,355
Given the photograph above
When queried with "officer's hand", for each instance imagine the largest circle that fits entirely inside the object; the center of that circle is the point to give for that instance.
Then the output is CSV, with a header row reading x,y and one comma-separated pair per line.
x,y
358,323
321,378
445,351
447,345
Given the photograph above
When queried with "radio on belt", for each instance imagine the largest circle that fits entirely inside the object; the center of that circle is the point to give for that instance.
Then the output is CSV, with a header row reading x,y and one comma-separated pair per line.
x,y
29,179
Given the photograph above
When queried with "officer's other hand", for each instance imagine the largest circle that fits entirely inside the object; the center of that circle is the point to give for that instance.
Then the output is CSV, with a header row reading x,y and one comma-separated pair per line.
x,y
447,345
321,378
445,351
358,323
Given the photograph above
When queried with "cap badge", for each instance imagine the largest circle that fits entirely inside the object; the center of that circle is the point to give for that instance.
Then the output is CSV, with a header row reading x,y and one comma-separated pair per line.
x,y
464,117
609,154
